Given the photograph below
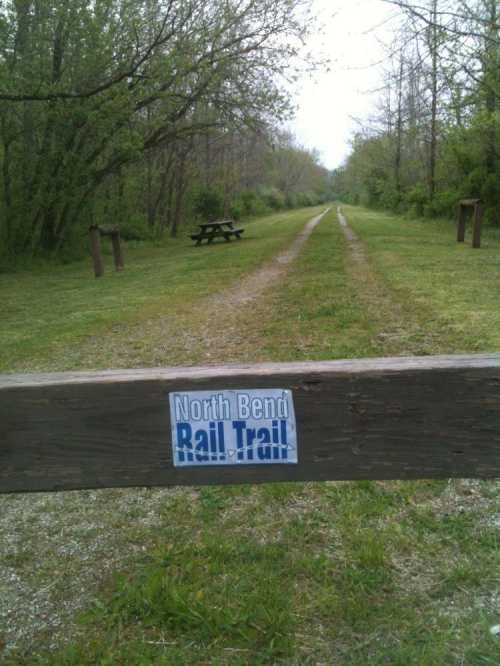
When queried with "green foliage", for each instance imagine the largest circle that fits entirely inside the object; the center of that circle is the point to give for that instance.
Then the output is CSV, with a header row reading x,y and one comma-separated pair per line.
x,y
236,210
208,203
444,204
106,108
417,198
390,198
291,200
442,143
308,199
252,204
273,198
135,228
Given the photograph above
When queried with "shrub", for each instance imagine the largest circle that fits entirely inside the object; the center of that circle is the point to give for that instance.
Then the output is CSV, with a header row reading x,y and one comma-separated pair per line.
x,y
417,198
390,198
252,203
444,204
208,203
272,197
236,210
305,199
135,228
291,200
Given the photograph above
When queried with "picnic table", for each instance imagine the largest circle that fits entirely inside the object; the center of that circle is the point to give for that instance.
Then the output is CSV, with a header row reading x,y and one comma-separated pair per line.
x,y
219,229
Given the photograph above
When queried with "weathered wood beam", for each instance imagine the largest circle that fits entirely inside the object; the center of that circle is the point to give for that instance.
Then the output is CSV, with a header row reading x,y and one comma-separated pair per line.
x,y
469,202
477,225
117,251
95,248
401,418
462,218
477,214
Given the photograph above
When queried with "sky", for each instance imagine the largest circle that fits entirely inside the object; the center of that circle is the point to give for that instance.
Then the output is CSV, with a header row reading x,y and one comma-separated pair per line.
x,y
353,35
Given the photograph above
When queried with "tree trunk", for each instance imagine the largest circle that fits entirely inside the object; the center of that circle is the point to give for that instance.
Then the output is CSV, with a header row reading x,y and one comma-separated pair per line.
x,y
399,131
179,195
492,77
434,92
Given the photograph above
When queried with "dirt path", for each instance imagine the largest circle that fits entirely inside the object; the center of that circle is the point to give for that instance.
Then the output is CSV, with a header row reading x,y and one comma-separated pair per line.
x,y
220,331
354,242
263,278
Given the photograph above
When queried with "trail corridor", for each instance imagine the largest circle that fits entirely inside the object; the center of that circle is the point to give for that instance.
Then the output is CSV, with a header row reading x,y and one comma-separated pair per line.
x,y
263,278
219,332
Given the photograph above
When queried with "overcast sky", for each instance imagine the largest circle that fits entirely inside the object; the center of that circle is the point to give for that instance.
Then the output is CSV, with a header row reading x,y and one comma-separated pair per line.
x,y
352,36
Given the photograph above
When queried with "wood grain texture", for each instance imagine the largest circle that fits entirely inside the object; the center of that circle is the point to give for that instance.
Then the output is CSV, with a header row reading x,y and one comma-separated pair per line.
x,y
117,251
477,219
462,216
431,417
477,225
95,248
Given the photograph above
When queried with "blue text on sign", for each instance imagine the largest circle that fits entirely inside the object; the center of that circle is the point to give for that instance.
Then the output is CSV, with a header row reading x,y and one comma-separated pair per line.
x,y
233,427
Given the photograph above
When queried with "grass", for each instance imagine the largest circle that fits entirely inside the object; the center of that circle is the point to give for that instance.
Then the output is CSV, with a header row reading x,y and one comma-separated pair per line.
x,y
447,286
317,314
297,574
413,291
347,573
48,313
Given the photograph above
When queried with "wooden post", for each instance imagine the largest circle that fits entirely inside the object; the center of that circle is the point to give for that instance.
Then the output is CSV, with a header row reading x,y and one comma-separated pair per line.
x,y
478,220
477,211
95,247
117,250
401,418
461,223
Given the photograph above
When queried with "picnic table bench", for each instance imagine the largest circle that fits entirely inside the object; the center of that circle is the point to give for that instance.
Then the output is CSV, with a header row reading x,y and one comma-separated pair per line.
x,y
219,229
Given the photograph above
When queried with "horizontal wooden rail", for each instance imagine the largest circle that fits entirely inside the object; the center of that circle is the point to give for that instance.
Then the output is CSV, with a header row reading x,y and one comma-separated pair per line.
x,y
402,418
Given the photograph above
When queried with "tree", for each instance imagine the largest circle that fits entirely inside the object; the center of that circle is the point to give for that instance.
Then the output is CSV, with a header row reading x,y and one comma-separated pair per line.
x,y
89,89
443,129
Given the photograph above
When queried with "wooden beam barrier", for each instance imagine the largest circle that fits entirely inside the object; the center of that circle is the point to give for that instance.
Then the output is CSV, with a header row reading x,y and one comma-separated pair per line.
x,y
95,248
477,225
477,213
400,418
96,232
114,233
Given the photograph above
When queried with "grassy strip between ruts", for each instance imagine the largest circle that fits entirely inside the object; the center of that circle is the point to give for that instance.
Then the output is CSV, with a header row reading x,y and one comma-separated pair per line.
x,y
335,573
317,313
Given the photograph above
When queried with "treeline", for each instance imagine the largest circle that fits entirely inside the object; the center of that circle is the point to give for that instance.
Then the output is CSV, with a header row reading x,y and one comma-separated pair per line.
x,y
235,173
145,113
435,138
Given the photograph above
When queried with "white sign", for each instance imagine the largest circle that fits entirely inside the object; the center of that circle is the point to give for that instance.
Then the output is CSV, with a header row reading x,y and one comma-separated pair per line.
x,y
243,427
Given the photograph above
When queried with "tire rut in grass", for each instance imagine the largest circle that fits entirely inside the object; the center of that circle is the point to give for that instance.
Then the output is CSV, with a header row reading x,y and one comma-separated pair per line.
x,y
262,279
399,326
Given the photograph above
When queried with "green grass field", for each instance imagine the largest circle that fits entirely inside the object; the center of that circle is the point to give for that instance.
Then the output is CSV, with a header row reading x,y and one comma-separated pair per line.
x,y
48,314
334,573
